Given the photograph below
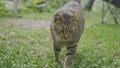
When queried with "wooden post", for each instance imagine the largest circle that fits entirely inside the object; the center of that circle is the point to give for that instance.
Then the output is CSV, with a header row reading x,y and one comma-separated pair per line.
x,y
15,7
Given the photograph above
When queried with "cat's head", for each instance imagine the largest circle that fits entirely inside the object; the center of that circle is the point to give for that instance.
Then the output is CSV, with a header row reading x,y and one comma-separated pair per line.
x,y
66,25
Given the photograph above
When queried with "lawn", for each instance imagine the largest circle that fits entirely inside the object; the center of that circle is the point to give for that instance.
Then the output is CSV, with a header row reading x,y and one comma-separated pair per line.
x,y
23,47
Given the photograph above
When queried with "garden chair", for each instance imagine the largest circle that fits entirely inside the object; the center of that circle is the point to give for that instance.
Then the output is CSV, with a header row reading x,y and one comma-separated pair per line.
x,y
113,11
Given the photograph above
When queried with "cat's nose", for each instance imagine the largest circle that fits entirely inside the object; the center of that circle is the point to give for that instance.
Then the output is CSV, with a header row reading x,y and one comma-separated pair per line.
x,y
66,36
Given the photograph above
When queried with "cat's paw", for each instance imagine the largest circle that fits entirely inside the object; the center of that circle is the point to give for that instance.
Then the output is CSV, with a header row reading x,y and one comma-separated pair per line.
x,y
58,64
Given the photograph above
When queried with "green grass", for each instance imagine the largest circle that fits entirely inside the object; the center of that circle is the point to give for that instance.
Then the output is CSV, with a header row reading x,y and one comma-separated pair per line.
x,y
21,47
43,15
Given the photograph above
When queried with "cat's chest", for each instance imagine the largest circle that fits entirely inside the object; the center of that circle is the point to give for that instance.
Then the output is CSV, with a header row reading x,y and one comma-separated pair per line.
x,y
62,43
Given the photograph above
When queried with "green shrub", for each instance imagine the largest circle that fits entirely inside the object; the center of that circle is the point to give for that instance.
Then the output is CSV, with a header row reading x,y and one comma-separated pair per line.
x,y
54,4
5,12
51,5
33,6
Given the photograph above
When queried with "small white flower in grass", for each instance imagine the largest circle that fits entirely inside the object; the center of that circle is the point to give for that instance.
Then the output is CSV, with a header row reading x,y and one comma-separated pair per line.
x,y
12,33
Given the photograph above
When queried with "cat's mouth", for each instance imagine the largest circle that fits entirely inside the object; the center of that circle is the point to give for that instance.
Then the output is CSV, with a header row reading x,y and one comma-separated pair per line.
x,y
65,40
66,37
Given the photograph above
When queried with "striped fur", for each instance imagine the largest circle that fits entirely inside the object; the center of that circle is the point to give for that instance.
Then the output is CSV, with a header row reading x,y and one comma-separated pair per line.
x,y
66,28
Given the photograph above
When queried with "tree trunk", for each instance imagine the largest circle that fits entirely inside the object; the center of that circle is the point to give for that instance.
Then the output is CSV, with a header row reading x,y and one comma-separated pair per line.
x,y
15,7
24,0
89,5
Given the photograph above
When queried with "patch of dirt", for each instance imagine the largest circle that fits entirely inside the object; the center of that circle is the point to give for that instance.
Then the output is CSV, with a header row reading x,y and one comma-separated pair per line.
x,y
30,23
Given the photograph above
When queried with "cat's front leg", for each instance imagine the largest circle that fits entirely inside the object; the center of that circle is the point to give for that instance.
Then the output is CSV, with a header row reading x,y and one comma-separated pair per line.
x,y
71,50
57,50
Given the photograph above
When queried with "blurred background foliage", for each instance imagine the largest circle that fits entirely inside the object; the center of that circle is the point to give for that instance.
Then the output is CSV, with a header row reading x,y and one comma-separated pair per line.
x,y
29,6
4,12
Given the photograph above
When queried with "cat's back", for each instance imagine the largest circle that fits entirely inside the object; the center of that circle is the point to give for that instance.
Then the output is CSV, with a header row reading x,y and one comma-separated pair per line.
x,y
73,7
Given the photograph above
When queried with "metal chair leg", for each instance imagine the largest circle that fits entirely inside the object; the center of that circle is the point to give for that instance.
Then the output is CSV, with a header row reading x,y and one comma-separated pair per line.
x,y
115,19
105,18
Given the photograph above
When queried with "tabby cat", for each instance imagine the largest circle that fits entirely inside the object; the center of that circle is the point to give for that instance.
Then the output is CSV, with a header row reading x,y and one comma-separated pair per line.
x,y
66,28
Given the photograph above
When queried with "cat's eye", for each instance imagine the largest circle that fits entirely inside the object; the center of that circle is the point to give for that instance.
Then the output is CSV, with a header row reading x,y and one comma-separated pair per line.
x,y
73,30
75,21
61,30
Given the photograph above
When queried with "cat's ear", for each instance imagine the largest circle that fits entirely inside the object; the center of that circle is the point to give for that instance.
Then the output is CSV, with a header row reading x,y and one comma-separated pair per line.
x,y
58,16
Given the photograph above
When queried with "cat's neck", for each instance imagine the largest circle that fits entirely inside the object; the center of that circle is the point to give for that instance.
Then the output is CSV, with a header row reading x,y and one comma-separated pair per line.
x,y
78,1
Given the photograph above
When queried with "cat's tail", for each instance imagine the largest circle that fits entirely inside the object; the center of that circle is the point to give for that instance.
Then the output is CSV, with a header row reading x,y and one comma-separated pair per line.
x,y
78,1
